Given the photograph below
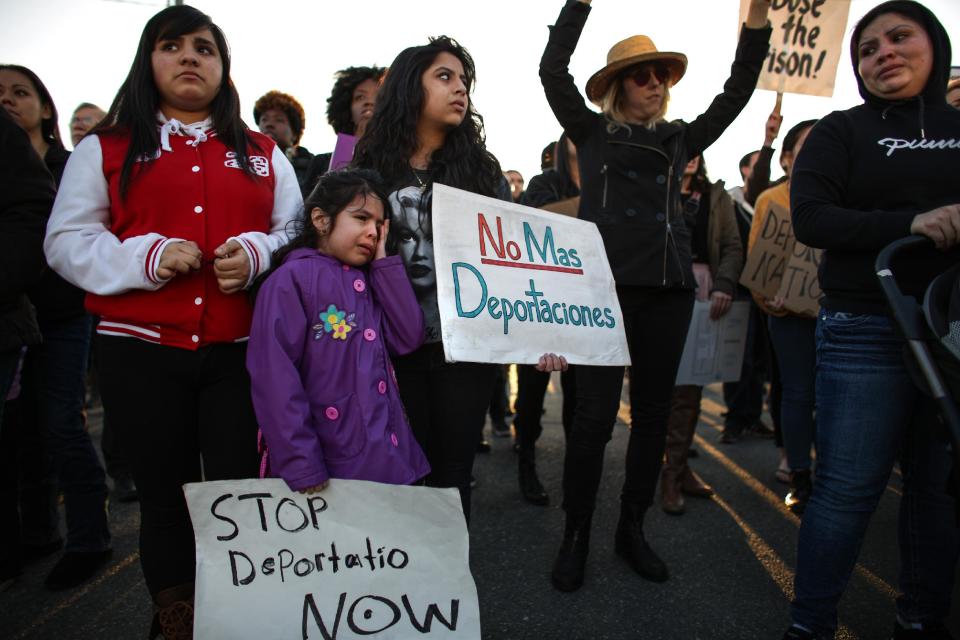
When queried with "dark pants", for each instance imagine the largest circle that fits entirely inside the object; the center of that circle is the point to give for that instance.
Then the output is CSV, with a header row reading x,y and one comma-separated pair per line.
x,y
54,380
794,345
656,322
531,390
174,407
446,404
744,398
499,400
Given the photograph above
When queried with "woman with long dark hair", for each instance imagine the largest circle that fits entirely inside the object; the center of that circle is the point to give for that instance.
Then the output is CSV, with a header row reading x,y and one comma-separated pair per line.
x,y
425,130
631,161
868,176
48,415
167,211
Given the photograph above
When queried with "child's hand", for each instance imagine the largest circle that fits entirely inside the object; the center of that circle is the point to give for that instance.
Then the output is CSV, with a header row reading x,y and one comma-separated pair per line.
x,y
231,266
317,489
552,362
381,251
179,257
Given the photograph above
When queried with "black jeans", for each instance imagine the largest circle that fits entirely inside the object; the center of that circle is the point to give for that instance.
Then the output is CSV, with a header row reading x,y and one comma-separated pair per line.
x,y
173,407
656,322
531,390
446,404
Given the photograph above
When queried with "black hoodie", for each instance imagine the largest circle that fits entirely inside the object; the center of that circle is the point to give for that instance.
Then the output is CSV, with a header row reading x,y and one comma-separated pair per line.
x,y
864,173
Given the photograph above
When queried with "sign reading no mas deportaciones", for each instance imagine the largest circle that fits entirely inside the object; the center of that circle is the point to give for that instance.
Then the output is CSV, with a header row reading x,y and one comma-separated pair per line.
x,y
357,560
515,282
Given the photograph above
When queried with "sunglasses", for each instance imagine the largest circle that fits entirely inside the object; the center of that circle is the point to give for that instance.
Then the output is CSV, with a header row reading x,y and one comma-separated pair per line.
x,y
641,74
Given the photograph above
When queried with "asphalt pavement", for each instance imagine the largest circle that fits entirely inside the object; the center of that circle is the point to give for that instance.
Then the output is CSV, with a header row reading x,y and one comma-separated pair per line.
x,y
731,558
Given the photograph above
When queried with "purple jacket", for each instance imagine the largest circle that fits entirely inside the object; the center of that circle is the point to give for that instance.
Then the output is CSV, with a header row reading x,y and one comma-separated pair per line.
x,y
322,383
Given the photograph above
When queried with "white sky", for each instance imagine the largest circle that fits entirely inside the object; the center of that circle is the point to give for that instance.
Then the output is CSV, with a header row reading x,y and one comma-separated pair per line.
x,y
82,49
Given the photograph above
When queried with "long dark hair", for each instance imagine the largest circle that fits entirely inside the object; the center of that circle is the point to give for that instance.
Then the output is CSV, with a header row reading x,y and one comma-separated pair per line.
x,y
49,127
391,137
134,109
333,193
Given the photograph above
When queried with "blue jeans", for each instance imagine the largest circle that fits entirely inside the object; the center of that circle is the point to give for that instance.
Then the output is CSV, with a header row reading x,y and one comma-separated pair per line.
x,y
53,378
868,414
794,346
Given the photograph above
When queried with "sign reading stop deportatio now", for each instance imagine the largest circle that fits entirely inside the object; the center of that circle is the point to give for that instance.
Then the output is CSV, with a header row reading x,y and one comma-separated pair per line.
x,y
515,282
357,560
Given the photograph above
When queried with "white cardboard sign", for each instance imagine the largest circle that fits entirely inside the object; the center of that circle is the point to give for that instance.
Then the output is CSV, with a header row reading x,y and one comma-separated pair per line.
x,y
713,351
357,560
515,282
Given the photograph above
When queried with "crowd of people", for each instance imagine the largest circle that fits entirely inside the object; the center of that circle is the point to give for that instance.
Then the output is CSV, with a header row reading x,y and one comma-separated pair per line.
x,y
245,308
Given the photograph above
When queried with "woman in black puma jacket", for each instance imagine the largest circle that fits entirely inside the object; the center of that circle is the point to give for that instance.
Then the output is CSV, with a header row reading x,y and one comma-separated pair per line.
x,y
631,162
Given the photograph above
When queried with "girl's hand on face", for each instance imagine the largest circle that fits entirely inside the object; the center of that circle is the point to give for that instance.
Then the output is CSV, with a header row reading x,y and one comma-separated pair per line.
x,y
942,225
552,362
317,489
231,266
179,257
381,251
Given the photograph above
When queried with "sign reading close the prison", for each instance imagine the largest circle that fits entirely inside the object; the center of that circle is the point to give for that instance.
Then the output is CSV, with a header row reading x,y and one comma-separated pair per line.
x,y
805,46
357,560
516,282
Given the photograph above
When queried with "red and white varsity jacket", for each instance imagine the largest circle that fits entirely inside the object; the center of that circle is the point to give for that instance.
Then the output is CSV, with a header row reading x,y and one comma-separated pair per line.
x,y
193,189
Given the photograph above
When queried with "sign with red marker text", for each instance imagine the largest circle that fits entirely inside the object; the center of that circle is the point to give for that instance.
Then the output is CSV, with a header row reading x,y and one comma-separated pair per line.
x,y
356,560
805,47
515,282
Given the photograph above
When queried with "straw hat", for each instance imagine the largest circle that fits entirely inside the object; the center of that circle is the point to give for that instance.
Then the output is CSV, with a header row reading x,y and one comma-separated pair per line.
x,y
626,53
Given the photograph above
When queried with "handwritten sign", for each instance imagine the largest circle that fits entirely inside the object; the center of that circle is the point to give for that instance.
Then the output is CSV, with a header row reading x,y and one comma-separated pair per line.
x,y
713,351
778,265
805,46
359,559
516,282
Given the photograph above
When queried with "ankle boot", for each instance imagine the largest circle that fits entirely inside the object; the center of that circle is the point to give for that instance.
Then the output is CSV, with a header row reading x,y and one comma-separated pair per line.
x,y
801,487
632,545
670,497
530,486
173,613
571,560
692,485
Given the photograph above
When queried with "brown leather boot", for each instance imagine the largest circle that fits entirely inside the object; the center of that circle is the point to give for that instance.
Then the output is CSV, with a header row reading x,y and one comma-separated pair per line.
x,y
692,485
671,499
173,613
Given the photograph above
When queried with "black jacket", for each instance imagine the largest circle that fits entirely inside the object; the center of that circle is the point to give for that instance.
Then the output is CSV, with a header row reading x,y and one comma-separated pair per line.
x,y
630,180
862,176
26,197
55,299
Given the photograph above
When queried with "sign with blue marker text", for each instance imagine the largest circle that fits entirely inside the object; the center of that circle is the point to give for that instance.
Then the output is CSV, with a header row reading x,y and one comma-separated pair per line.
x,y
356,560
515,282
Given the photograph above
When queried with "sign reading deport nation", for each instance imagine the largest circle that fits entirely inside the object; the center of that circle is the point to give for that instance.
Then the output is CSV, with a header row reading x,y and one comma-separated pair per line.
x,y
515,282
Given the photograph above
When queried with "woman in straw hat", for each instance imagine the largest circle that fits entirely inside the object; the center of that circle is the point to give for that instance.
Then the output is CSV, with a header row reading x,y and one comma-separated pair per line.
x,y
631,163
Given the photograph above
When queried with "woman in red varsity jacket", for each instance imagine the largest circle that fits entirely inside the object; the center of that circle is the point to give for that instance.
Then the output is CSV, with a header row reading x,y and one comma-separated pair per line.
x,y
166,213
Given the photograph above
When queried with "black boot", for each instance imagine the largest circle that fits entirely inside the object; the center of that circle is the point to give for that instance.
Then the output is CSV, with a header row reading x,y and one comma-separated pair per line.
x,y
568,568
631,544
530,487
801,487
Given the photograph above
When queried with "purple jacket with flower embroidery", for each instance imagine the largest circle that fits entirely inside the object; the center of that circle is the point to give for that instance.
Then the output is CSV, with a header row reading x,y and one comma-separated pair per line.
x,y
319,361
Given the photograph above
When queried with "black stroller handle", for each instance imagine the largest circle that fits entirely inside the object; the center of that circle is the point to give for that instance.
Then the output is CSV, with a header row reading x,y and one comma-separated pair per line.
x,y
906,311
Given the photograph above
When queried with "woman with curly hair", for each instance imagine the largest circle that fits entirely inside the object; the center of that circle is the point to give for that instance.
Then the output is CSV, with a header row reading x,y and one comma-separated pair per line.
x,y
349,109
280,116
